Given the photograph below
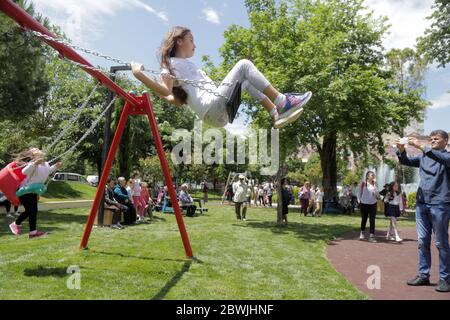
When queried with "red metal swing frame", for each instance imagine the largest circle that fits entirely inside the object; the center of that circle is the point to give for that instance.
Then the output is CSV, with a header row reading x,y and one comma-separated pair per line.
x,y
134,105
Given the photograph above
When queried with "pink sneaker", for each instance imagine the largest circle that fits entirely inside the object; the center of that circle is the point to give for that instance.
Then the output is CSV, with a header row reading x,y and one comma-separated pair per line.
x,y
37,234
15,229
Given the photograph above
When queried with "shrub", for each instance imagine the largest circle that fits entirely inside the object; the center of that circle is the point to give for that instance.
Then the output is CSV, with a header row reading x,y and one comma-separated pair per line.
x,y
411,201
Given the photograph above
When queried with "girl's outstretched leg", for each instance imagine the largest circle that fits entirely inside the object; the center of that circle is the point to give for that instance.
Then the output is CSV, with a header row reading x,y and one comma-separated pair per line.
x,y
283,108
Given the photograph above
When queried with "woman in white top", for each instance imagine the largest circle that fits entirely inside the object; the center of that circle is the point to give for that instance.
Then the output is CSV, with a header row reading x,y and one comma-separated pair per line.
x,y
368,199
37,170
394,205
178,47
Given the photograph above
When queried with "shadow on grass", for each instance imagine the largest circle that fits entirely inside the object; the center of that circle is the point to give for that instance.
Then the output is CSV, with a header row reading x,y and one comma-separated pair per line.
x,y
305,231
172,282
48,219
62,190
118,254
317,231
41,271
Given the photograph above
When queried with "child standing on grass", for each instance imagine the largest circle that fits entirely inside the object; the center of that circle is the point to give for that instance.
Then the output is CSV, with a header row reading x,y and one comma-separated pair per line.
x,y
139,204
394,206
147,200
37,170
319,202
178,47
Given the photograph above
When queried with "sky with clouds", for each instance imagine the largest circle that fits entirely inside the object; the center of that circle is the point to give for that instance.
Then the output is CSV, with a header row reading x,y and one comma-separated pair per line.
x,y
132,30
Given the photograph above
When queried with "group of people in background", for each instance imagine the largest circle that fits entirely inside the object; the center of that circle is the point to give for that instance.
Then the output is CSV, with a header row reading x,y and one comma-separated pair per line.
x,y
135,200
130,198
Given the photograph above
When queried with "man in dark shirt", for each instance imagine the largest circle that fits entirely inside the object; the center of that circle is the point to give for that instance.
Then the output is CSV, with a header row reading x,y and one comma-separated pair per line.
x,y
433,205
112,204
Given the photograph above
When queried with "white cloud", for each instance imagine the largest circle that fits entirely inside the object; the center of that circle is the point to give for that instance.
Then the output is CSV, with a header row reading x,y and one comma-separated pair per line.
x,y
160,14
407,19
443,101
82,20
211,15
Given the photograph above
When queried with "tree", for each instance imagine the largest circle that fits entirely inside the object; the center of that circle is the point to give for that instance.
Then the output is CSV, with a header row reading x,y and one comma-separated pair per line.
x,y
436,41
23,83
407,69
334,49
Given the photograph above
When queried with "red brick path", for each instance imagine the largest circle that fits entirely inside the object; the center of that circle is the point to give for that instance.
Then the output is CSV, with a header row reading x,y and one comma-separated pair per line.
x,y
397,263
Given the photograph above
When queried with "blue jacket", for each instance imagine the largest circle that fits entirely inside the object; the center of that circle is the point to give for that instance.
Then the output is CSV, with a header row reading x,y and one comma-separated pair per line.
x,y
434,187
120,194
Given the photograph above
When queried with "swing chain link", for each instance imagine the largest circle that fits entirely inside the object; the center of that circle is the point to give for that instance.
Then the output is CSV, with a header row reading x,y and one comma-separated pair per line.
x,y
87,133
200,84
73,119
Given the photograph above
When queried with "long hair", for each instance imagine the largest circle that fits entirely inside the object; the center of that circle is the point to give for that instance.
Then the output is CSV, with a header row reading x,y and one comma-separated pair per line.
x,y
167,50
26,156
391,190
367,175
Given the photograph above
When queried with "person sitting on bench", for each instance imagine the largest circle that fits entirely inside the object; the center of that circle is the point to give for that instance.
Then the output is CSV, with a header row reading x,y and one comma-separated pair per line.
x,y
186,201
112,204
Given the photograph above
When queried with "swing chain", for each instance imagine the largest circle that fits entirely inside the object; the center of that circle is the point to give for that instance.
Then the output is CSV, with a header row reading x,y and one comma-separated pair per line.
x,y
87,133
200,84
73,119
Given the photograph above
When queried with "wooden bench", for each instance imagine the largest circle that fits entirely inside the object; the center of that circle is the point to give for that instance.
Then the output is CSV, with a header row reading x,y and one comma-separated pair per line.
x,y
107,217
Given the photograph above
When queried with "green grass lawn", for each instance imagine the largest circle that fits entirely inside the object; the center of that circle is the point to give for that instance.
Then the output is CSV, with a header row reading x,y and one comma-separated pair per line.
x,y
255,259
66,191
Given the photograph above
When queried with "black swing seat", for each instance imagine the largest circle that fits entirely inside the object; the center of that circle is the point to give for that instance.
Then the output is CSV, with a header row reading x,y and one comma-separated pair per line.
x,y
233,102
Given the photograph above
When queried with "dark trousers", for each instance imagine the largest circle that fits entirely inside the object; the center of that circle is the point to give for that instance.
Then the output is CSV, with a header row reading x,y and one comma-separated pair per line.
x,y
368,211
354,203
7,205
270,200
261,200
30,203
304,203
129,216
190,210
237,208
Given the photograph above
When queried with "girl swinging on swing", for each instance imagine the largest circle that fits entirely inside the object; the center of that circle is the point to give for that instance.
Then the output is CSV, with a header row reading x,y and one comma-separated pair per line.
x,y
178,47
37,170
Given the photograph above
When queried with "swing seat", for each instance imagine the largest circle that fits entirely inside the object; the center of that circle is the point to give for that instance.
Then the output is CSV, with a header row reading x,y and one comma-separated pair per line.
x,y
37,188
9,183
234,101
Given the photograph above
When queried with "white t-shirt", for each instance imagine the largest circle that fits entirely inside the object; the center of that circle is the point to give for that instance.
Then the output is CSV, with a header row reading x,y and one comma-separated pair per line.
x,y
37,173
396,201
319,196
199,100
240,191
369,194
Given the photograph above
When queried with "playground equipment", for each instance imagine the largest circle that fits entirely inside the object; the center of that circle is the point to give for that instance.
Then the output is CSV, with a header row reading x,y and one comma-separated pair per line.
x,y
134,105
10,181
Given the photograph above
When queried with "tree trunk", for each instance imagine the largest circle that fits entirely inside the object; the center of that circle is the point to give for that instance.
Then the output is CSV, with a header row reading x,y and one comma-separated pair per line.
x,y
124,153
280,175
329,166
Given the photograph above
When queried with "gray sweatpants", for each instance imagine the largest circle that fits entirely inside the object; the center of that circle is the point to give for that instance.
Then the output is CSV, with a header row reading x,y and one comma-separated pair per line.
x,y
253,81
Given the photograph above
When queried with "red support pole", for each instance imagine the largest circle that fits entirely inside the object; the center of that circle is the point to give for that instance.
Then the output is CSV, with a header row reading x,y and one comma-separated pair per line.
x,y
133,105
105,173
144,108
165,167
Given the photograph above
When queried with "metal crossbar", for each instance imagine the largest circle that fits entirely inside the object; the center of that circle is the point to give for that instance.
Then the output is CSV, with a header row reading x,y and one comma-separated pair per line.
x,y
201,84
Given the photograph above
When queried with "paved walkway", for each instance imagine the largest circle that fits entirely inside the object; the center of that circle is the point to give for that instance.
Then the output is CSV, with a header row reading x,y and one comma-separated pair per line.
x,y
397,263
